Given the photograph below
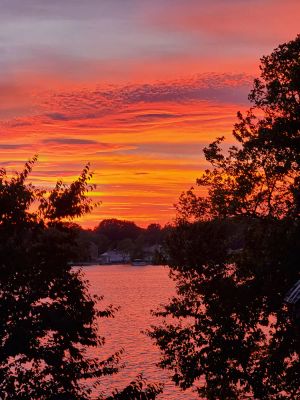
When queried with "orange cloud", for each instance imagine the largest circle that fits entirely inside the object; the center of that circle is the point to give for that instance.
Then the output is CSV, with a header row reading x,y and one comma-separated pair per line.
x,y
144,141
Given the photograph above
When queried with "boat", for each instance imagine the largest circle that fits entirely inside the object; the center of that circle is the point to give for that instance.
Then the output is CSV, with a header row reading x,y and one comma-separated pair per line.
x,y
138,262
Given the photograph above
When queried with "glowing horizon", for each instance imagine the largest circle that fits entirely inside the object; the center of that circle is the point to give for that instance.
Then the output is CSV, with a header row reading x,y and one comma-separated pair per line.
x,y
134,88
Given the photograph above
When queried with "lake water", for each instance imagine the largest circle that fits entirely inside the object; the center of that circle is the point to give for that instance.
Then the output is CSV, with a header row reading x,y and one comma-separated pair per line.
x,y
137,290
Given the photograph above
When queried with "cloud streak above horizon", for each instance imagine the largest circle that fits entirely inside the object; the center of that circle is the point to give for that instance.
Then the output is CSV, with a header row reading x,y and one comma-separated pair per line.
x,y
136,88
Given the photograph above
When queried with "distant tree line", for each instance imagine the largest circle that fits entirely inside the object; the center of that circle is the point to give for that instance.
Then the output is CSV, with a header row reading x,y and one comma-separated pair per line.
x,y
123,236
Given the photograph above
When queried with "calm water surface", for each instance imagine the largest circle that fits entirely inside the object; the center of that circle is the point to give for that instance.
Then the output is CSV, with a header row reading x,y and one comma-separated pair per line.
x,y
137,290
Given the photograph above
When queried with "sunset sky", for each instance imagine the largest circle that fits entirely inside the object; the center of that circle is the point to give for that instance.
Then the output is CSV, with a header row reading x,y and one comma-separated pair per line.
x,y
135,87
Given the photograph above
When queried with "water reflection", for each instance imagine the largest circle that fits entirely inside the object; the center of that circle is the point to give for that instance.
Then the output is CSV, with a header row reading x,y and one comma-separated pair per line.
x,y
137,290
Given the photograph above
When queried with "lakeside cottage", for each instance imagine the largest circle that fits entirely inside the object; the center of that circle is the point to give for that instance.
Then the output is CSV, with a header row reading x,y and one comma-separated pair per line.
x,y
113,257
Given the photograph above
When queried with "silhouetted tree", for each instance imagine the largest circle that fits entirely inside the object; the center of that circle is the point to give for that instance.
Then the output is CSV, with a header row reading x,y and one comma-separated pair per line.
x,y
48,319
116,230
138,389
102,242
233,335
125,247
153,234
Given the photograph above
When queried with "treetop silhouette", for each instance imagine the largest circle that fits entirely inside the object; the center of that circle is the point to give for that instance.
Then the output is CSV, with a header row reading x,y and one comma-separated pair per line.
x,y
48,318
234,253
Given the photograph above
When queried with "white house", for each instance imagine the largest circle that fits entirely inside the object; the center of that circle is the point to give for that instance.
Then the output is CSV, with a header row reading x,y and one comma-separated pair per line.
x,y
113,257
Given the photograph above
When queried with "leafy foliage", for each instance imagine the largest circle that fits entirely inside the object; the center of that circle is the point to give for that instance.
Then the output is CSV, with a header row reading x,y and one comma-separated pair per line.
x,y
260,175
115,229
138,390
128,238
233,336
48,319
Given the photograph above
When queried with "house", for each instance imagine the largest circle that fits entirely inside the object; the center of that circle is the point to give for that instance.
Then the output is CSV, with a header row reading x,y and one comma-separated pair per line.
x,y
113,257
151,253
